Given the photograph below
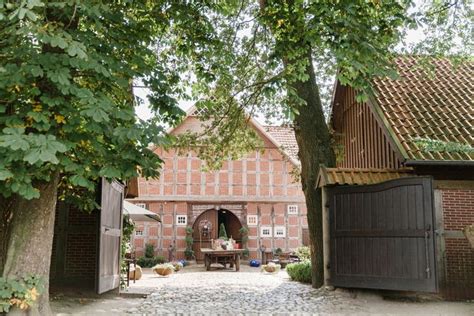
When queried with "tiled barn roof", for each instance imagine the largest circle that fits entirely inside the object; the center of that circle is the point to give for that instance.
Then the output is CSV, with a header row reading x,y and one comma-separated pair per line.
x,y
420,105
285,137
359,176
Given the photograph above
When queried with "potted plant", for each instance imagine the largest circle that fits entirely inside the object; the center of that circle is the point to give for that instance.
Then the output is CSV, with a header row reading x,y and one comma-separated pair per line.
x,y
189,252
223,232
163,269
177,266
271,267
244,237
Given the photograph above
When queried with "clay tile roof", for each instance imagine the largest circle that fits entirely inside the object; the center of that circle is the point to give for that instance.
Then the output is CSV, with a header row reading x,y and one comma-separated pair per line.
x,y
285,137
439,107
357,176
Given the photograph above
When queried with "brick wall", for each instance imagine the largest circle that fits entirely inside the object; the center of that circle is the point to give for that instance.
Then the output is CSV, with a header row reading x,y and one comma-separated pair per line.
x,y
262,182
73,259
458,212
269,215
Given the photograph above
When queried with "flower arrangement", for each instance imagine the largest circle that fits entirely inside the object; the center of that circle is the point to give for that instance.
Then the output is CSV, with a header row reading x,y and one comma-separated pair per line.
x,y
164,269
177,266
271,268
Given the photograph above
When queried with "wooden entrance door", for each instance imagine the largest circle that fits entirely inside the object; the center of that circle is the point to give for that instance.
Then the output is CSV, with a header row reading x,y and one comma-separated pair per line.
x,y
382,236
203,239
110,233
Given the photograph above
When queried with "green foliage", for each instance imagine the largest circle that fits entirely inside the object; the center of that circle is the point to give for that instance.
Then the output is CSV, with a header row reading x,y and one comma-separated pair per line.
x,y
150,262
303,252
127,230
22,292
433,145
149,250
245,253
244,234
66,80
244,237
189,253
300,271
222,232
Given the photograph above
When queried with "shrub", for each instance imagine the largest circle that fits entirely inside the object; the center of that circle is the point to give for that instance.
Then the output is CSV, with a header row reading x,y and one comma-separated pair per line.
x,y
222,232
145,262
303,253
189,254
149,250
300,271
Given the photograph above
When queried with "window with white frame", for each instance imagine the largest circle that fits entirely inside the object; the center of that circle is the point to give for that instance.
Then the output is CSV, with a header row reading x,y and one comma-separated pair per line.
x,y
181,219
252,220
141,205
139,233
265,231
293,209
280,231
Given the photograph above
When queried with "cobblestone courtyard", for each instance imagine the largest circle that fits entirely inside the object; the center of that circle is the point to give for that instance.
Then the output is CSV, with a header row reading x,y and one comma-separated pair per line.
x,y
224,292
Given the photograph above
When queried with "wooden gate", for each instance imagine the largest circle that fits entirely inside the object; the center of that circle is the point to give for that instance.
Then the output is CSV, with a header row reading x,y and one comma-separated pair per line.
x,y
110,232
382,236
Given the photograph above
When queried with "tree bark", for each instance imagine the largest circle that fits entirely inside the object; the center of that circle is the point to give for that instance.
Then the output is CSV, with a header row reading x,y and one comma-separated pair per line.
x,y
31,239
6,216
314,143
311,130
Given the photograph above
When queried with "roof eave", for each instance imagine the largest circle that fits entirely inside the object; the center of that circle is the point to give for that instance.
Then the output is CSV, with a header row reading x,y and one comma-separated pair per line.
x,y
453,163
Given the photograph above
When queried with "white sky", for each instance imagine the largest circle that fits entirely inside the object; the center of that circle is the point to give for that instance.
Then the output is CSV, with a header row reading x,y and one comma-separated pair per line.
x,y
143,111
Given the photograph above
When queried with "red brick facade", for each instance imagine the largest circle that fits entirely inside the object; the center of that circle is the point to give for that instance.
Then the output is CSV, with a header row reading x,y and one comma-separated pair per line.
x,y
458,212
260,184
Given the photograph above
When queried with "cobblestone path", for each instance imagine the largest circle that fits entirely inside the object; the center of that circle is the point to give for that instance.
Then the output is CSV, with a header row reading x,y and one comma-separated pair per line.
x,y
227,292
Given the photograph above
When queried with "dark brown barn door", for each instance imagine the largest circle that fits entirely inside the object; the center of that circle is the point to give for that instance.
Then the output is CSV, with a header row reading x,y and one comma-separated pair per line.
x,y
110,232
382,235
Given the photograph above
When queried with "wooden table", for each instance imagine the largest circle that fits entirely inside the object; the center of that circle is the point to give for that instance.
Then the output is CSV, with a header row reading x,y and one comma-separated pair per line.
x,y
222,256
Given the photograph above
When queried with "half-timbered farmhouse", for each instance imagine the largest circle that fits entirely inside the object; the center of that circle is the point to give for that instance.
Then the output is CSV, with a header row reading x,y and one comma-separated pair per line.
x,y
394,209
258,191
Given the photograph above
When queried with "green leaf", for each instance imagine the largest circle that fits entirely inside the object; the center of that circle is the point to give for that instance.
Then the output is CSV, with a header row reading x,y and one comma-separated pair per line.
x,y
5,174
81,181
110,172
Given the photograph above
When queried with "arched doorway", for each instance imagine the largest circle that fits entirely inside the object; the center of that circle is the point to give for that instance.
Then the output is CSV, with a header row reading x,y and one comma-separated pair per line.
x,y
212,219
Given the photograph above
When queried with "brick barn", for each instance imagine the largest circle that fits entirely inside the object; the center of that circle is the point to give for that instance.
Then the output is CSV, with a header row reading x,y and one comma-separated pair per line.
x,y
395,210
258,191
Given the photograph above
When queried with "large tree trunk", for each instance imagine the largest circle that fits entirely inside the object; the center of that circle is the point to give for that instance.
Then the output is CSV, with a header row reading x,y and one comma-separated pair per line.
x,y
312,134
31,239
314,142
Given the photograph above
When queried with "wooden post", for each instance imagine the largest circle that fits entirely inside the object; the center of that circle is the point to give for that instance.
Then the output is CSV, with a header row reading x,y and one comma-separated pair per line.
x,y
287,232
259,238
326,237
439,235
160,237
272,215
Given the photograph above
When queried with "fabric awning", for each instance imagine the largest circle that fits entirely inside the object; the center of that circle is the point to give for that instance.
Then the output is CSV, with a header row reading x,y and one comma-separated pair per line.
x,y
138,213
